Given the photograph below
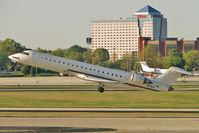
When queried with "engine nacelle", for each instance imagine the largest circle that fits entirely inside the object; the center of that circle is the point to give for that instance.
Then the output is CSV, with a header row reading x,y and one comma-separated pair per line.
x,y
137,79
147,83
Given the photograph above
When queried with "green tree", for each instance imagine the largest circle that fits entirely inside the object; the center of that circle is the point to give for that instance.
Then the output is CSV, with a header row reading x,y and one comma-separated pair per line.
x,y
149,55
152,57
8,47
76,48
116,64
58,52
126,63
175,59
191,60
43,50
25,70
75,52
87,56
75,56
99,56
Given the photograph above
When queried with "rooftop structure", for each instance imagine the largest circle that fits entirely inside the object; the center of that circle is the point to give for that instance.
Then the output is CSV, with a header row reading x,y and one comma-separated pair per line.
x,y
147,10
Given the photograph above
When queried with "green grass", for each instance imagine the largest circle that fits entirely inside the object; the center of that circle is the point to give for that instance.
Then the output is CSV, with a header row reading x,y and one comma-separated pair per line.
x,y
132,99
95,114
12,75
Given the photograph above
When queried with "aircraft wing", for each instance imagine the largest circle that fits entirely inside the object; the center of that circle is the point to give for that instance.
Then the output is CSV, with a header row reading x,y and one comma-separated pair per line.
x,y
92,77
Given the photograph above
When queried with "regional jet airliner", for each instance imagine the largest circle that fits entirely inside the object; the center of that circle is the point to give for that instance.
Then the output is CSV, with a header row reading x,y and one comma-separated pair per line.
x,y
102,75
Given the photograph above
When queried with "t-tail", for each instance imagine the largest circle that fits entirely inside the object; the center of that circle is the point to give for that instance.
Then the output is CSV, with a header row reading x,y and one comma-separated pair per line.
x,y
145,67
171,75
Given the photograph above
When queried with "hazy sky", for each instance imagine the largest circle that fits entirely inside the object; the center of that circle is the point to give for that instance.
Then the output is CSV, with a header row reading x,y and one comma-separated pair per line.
x,y
55,24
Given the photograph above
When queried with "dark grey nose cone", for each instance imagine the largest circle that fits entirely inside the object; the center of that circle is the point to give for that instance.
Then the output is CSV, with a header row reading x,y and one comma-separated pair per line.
x,y
171,88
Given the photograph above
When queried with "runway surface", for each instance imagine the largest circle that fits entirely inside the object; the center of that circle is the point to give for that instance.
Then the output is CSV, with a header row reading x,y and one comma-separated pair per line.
x,y
62,80
103,110
108,125
80,125
44,81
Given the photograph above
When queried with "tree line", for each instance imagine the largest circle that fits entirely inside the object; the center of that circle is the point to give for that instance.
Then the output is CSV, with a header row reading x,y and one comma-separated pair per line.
x,y
100,56
188,61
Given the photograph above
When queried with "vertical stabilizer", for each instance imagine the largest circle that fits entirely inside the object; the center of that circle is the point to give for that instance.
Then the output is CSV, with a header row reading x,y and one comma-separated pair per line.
x,y
171,75
145,67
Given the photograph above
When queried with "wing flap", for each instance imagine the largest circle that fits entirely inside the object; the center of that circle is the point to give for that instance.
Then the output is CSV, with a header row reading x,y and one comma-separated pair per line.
x,y
94,79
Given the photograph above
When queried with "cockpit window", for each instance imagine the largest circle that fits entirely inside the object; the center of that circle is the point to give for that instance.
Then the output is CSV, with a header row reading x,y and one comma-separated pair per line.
x,y
25,53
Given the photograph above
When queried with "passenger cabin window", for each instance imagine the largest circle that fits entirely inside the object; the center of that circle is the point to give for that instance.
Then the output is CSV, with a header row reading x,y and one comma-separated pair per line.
x,y
25,53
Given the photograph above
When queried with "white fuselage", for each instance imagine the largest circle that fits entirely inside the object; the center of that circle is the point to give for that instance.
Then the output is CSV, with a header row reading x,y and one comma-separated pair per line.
x,y
84,70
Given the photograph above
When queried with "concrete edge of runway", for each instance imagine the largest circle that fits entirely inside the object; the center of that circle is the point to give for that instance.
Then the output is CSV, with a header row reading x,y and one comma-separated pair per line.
x,y
32,129
111,110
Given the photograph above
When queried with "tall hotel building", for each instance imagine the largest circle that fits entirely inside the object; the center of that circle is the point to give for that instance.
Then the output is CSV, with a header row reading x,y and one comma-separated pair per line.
x,y
120,36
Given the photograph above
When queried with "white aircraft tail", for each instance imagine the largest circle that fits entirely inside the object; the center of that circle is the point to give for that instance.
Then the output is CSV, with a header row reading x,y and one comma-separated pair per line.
x,y
145,67
171,75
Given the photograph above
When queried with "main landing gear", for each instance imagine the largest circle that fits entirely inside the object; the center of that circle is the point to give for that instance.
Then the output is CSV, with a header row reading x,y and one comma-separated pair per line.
x,y
100,89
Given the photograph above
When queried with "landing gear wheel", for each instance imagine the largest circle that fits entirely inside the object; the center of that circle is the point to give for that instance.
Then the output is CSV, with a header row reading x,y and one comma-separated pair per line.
x,y
101,89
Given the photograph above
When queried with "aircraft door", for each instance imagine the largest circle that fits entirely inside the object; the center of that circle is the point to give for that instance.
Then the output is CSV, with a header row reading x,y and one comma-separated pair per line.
x,y
38,59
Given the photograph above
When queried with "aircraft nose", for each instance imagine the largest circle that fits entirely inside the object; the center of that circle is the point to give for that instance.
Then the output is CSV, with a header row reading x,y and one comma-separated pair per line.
x,y
10,57
14,57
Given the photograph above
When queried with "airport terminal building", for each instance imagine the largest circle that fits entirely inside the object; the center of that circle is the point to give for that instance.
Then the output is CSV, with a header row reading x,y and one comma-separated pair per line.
x,y
120,36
